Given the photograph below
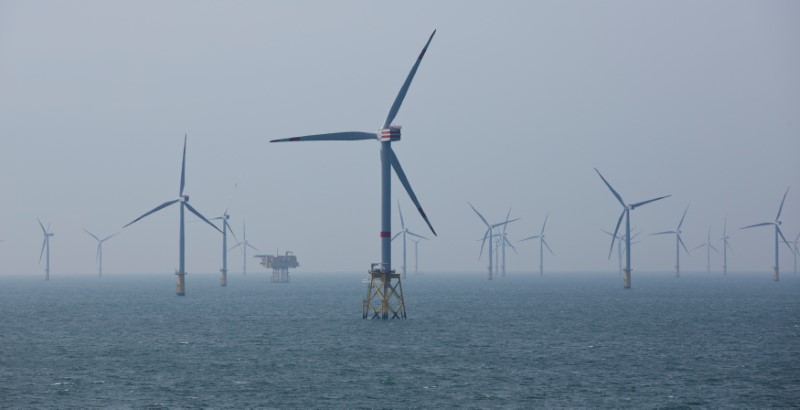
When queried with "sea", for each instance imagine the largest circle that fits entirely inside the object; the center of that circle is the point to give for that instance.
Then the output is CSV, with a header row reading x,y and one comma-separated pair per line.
x,y
562,340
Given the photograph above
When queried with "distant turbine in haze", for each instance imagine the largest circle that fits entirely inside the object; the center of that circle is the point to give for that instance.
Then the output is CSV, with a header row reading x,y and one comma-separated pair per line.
x,y
99,256
708,247
45,247
384,299
416,255
504,241
796,250
725,247
542,244
490,235
678,244
244,244
184,202
777,225
225,227
620,239
626,213
404,231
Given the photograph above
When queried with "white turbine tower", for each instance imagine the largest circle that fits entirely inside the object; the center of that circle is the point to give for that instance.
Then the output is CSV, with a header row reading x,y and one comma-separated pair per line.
x,y
45,247
678,244
542,245
244,244
404,231
778,233
725,247
708,247
99,256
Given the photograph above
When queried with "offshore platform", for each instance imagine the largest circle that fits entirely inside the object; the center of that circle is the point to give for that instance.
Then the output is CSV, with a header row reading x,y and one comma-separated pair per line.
x,y
280,265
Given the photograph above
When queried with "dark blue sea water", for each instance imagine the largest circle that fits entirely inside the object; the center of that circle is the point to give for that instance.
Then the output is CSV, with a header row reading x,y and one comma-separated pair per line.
x,y
562,340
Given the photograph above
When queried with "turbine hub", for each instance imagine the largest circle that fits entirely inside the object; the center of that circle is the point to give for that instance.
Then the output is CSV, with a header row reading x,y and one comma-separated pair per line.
x,y
184,198
389,134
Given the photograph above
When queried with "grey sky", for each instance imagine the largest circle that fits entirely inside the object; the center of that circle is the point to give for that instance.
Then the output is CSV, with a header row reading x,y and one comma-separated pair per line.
x,y
514,104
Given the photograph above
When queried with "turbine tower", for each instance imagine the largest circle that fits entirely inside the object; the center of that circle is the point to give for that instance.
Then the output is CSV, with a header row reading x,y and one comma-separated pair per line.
x,y
725,247
45,246
542,244
490,235
381,292
504,241
626,213
244,244
225,227
404,232
183,200
777,225
99,257
708,247
416,255
678,243
796,250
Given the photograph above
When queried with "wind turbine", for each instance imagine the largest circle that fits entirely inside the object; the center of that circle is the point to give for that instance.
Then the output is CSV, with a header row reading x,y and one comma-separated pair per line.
x,y
542,243
382,274
416,255
725,247
45,245
404,232
99,257
626,213
225,227
796,250
777,224
489,234
678,243
504,241
708,247
183,200
244,244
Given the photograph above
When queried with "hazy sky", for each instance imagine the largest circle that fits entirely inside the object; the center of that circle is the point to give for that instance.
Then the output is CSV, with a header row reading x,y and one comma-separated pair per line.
x,y
513,106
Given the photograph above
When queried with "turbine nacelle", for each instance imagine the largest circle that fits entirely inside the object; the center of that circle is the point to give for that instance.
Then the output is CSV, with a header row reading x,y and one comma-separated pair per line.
x,y
184,198
389,134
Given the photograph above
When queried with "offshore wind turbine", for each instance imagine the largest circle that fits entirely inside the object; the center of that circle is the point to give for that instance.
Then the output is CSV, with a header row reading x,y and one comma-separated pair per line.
x,y
491,235
626,213
225,227
708,247
542,244
777,225
678,243
99,257
381,291
183,200
796,250
45,246
416,255
404,232
504,241
725,247
245,244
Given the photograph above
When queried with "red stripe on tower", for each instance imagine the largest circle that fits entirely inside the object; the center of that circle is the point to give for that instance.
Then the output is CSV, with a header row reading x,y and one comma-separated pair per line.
x,y
385,234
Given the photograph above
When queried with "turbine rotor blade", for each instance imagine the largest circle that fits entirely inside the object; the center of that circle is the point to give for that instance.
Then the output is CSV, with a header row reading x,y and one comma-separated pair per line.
x,y
613,237
400,211
183,166
545,223
684,217
479,215
782,201
396,235
783,237
156,209
253,247
712,247
418,236
109,237
531,237
682,244
509,244
483,242
403,180
44,231
194,211
333,136
638,204
234,246
231,229
761,224
619,198
398,101
548,247
44,242
91,234
661,233
504,223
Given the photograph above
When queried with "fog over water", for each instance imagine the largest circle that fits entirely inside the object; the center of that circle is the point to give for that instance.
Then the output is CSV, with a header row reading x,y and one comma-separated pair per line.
x,y
513,106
